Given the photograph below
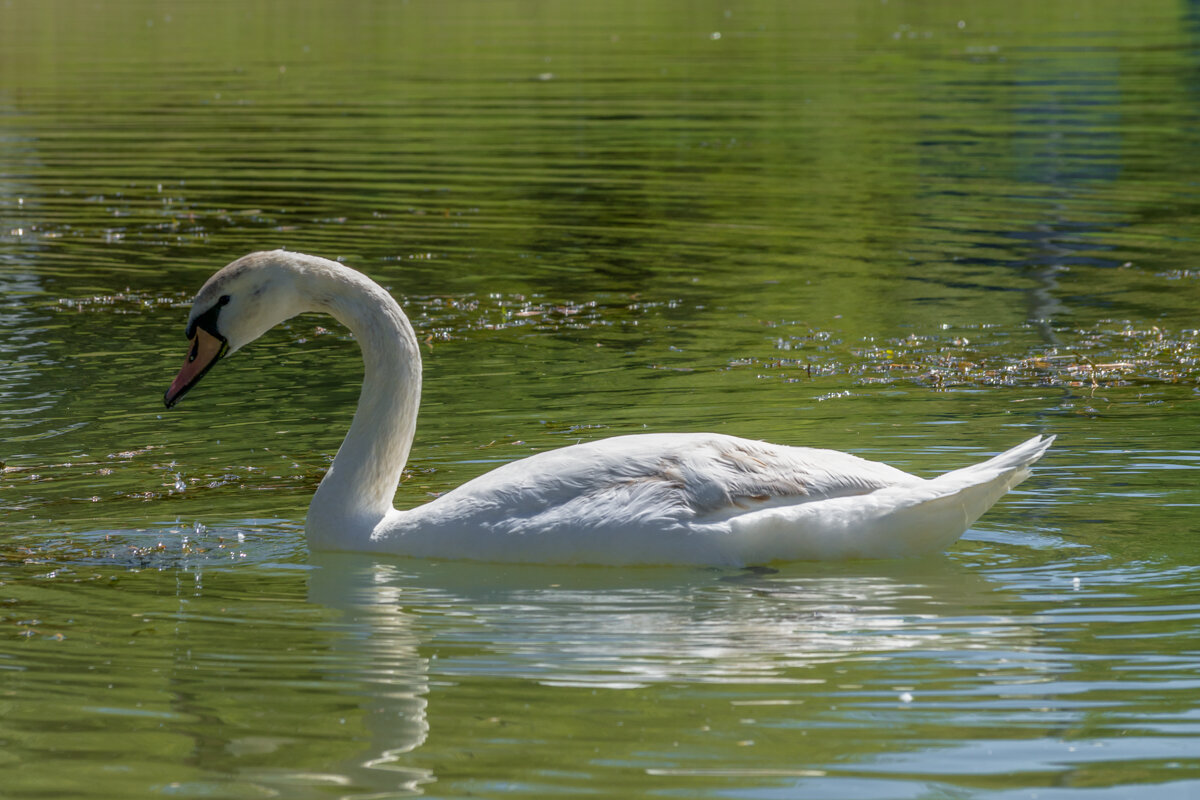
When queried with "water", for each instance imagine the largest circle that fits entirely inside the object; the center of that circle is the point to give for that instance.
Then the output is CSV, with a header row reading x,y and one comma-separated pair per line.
x,y
917,232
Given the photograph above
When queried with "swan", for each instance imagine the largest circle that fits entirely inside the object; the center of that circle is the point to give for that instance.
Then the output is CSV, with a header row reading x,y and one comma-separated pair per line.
x,y
657,498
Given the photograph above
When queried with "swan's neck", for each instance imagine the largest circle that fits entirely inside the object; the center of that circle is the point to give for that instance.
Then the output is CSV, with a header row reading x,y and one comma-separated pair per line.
x,y
357,491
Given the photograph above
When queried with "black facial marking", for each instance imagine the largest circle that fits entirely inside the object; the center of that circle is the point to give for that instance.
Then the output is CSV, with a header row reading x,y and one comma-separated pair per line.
x,y
208,320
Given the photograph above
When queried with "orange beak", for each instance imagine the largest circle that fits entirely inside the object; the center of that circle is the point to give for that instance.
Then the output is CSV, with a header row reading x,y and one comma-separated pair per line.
x,y
205,350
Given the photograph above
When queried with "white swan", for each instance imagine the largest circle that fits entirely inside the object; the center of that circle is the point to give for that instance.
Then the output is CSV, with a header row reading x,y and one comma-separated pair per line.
x,y
661,498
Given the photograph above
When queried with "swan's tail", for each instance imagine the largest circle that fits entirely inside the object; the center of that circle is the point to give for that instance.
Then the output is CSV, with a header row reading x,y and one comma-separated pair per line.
x,y
906,519
1015,463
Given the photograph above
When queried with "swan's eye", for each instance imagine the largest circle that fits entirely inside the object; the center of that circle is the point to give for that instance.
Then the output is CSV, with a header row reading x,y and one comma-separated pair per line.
x,y
195,350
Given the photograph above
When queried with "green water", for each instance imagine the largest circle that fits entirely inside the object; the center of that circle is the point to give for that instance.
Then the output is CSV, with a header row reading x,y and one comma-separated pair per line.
x,y
919,232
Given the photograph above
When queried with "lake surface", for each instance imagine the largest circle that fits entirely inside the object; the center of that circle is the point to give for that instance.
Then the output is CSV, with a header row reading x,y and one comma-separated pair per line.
x,y
918,232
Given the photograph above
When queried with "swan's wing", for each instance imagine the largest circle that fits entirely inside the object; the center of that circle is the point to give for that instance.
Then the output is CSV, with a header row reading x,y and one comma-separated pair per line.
x,y
708,478
662,480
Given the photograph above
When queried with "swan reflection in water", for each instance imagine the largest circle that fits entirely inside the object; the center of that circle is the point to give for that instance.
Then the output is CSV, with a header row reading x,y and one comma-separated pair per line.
x,y
447,647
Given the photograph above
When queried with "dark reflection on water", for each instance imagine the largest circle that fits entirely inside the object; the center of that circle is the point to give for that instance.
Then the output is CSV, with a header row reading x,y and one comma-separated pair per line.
x,y
920,233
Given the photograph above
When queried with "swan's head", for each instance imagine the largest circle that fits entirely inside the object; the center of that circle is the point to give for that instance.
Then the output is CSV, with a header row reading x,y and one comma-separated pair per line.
x,y
235,306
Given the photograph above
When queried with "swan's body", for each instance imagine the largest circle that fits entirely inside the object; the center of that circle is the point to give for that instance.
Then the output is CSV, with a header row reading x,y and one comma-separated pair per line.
x,y
648,499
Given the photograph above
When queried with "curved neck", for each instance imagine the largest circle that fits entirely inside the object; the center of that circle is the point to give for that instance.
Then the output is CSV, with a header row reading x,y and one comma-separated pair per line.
x,y
357,490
